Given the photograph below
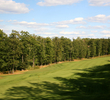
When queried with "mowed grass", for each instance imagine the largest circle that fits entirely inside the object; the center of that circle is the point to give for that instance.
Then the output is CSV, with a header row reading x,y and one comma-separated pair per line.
x,y
80,80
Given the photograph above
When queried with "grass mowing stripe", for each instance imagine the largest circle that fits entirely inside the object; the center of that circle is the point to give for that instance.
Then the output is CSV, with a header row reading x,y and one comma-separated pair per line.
x,y
59,81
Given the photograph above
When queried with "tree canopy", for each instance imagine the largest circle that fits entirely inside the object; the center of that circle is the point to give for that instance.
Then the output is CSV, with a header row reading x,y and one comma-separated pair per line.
x,y
19,50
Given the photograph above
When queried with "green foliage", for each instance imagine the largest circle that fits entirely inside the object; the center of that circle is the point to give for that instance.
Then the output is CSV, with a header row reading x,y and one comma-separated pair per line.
x,y
99,47
48,50
20,50
108,45
105,46
92,48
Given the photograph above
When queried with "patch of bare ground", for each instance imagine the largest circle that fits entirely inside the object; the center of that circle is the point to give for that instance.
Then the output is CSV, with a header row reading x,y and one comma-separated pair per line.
x,y
16,72
19,72
0,77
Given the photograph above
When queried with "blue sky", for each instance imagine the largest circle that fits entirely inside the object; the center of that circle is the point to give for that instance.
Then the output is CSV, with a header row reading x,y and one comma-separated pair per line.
x,y
50,18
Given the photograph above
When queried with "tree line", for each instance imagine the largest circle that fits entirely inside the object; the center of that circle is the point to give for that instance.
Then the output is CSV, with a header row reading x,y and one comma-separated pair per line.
x,y
19,50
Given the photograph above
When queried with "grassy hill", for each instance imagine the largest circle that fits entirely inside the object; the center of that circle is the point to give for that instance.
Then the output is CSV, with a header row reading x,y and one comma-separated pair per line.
x,y
80,80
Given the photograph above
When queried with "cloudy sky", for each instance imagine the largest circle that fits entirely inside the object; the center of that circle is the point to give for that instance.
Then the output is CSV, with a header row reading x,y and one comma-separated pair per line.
x,y
68,18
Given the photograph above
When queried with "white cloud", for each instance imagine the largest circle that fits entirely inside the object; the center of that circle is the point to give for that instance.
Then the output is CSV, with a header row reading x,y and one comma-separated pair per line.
x,y
53,36
62,26
90,27
84,36
94,31
45,33
99,18
57,2
41,29
81,27
96,27
10,6
99,2
1,20
7,31
83,32
29,24
79,20
106,36
91,35
12,21
87,36
105,32
62,32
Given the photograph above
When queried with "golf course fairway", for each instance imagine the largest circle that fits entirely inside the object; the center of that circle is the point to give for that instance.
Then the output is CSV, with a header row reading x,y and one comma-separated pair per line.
x,y
87,79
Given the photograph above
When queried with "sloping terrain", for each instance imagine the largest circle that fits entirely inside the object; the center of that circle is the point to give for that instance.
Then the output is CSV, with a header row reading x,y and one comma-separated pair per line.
x,y
81,80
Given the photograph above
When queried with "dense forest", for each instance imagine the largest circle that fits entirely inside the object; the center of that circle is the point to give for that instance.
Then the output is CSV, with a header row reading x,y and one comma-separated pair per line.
x,y
19,50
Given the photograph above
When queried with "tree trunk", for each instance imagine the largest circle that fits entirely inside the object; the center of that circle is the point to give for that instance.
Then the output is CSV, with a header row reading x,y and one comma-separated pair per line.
x,y
13,69
8,71
33,62
70,56
13,66
41,61
99,53
56,59
22,58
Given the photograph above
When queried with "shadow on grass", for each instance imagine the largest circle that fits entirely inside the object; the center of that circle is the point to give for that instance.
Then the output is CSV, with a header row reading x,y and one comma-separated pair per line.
x,y
93,84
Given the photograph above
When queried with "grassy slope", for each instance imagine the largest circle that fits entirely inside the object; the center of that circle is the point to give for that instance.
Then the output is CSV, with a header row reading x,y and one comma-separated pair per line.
x,y
81,80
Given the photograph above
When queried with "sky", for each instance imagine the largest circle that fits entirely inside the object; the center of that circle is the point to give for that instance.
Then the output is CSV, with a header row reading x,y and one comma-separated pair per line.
x,y
51,18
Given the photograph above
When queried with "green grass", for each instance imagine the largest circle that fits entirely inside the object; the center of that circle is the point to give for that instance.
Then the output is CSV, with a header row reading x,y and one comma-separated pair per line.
x,y
81,80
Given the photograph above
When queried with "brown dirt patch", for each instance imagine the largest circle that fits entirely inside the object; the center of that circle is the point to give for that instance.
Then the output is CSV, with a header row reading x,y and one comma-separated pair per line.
x,y
21,72
0,77
16,72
